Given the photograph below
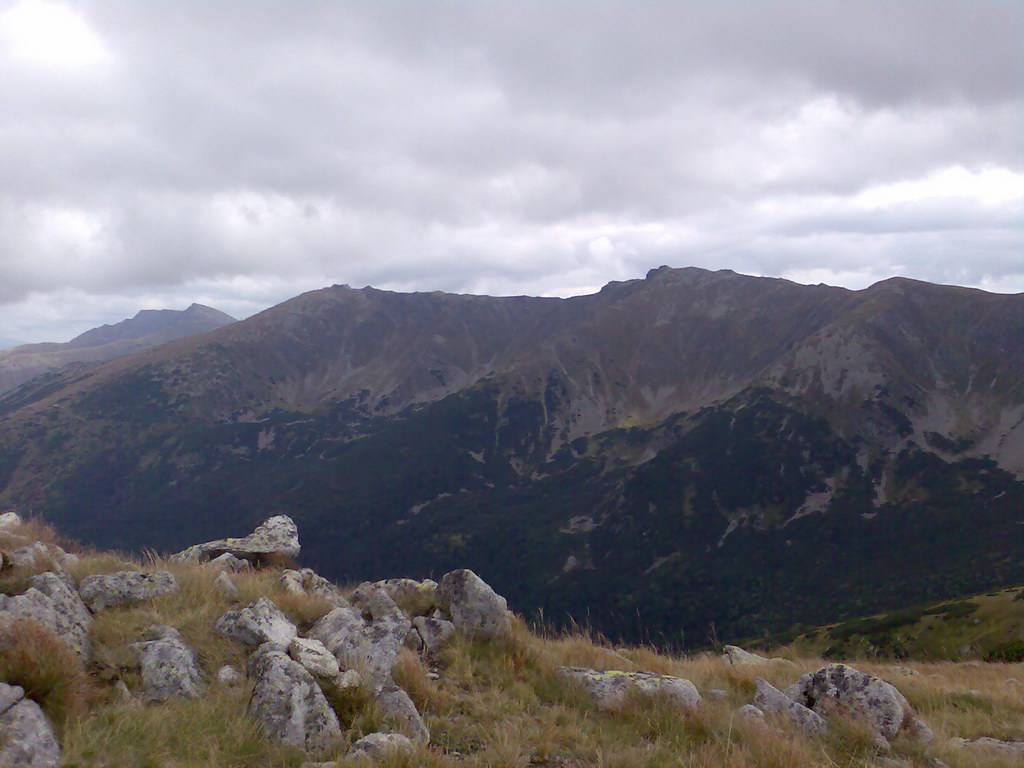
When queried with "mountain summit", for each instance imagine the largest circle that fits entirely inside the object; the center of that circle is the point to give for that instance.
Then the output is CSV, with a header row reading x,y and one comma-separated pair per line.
x,y
689,448
148,328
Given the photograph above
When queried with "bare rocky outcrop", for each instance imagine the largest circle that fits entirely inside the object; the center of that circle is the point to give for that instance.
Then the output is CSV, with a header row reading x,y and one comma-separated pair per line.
x,y
476,610
168,666
259,622
124,588
611,689
27,739
289,705
72,620
277,537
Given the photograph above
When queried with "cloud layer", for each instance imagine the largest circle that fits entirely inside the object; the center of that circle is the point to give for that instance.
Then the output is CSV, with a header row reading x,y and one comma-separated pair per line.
x,y
236,153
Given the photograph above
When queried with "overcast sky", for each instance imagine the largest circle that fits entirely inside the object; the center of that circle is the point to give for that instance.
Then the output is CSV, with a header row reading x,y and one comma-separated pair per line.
x,y
157,153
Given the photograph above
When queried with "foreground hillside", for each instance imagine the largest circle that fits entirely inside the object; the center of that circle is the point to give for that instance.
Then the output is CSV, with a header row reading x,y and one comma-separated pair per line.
x,y
211,658
690,455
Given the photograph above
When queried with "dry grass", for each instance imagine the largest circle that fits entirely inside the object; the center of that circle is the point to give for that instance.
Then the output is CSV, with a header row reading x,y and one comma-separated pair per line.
x,y
494,705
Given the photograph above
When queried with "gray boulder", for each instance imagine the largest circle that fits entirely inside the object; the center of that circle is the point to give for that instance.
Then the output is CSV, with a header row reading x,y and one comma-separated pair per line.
x,y
32,605
168,666
770,699
229,675
380,746
9,520
124,588
226,586
228,562
415,598
399,712
72,620
1010,748
838,688
276,537
476,610
289,705
314,657
735,655
369,646
308,582
27,739
259,622
611,689
435,634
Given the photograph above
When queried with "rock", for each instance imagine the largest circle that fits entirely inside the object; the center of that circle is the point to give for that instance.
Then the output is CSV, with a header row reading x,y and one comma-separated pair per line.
x,y
9,696
289,705
379,746
369,647
476,610
750,713
435,634
770,699
611,689
168,666
10,520
397,709
229,675
278,537
842,689
226,586
31,557
72,619
229,562
291,581
718,694
987,742
347,679
413,641
27,739
314,657
259,622
795,692
736,656
415,598
121,694
124,588
32,605
907,671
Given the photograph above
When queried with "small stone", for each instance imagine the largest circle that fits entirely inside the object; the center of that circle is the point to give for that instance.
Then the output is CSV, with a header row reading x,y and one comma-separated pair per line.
x,y
718,694
226,586
476,610
291,581
434,633
379,746
770,699
735,655
121,694
750,712
229,675
611,689
10,520
168,666
397,709
229,562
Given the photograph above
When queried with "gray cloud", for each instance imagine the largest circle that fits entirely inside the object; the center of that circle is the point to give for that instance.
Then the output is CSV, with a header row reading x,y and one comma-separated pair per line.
x,y
239,153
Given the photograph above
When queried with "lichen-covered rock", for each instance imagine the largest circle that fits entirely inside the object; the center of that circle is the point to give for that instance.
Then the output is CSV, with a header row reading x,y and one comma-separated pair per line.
x,y
476,610
435,634
368,646
415,598
229,675
750,714
168,666
276,538
229,562
838,688
9,520
259,622
289,705
379,746
770,699
611,689
291,581
735,655
27,739
226,586
308,582
124,588
32,605
72,619
398,711
314,656
987,742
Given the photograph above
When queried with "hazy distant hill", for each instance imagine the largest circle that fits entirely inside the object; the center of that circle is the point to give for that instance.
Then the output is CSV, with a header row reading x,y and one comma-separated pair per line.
x,y
6,343
148,328
690,448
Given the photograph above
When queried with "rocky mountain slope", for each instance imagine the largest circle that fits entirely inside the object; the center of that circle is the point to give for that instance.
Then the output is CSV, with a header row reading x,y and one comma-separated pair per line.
x,y
692,454
148,328
227,655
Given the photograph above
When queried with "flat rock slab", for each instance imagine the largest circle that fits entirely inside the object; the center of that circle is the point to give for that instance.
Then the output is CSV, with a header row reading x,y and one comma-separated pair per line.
x,y
27,739
276,537
735,655
289,705
124,588
611,689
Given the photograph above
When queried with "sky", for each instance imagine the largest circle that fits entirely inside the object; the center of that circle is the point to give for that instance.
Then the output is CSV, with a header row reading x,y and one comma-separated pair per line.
x,y
157,153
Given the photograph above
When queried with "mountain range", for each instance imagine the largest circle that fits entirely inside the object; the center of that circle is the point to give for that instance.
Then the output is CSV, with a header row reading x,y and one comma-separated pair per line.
x,y
150,327
695,454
